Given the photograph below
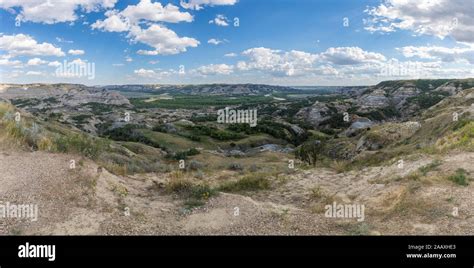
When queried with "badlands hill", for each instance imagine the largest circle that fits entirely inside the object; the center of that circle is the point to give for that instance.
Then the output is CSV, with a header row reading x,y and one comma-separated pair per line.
x,y
62,94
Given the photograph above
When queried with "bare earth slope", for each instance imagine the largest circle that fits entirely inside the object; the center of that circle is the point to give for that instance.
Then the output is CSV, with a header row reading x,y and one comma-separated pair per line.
x,y
85,201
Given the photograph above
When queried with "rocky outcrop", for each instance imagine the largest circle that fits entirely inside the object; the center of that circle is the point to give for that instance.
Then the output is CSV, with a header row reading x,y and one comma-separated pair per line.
x,y
374,99
358,124
315,114
383,135
15,91
361,123
62,94
270,148
76,97
450,88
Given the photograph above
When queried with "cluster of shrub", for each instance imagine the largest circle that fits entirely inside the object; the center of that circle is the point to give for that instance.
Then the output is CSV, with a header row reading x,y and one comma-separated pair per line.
x,y
183,155
275,129
214,133
130,132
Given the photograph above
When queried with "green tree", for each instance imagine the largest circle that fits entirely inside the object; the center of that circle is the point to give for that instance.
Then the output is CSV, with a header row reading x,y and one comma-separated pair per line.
x,y
310,151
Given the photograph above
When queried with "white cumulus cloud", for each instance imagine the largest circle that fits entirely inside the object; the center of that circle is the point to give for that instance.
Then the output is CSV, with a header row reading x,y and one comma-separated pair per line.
x,y
113,23
36,61
21,44
54,64
146,10
8,62
440,18
76,52
163,40
54,11
444,54
215,41
134,18
351,56
220,20
34,73
155,74
198,4
277,62
215,69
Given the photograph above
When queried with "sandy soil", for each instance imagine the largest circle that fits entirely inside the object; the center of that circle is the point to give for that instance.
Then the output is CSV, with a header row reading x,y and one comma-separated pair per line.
x,y
85,200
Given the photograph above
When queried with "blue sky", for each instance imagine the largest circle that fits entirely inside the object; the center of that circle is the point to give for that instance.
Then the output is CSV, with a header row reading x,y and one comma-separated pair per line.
x,y
287,42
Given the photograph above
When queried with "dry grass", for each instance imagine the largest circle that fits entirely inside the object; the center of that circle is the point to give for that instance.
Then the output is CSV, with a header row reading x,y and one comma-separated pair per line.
x,y
320,198
116,169
340,166
251,182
